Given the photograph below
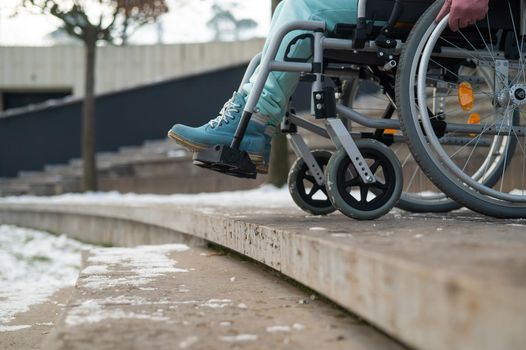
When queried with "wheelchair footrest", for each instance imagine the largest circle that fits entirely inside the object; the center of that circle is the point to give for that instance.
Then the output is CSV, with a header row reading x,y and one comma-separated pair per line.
x,y
226,160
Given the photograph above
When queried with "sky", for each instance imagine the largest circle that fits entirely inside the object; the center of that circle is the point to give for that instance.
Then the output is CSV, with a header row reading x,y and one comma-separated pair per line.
x,y
184,23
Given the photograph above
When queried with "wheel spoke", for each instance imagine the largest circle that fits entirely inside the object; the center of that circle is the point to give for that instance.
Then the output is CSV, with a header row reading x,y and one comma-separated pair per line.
x,y
379,185
313,191
310,179
352,182
375,166
364,190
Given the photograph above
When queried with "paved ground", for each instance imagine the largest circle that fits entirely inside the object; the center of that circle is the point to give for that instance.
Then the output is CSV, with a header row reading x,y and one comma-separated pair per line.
x,y
166,297
41,318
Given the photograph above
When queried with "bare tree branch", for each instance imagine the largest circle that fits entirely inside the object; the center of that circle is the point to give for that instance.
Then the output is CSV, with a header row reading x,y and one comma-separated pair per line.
x,y
117,24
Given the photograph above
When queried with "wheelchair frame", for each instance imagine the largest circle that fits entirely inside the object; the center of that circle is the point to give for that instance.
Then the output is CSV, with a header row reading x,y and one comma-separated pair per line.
x,y
335,128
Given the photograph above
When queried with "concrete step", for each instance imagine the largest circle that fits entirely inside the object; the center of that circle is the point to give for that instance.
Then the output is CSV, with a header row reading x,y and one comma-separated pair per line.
x,y
13,188
35,178
129,150
160,161
157,148
29,174
64,170
434,282
177,297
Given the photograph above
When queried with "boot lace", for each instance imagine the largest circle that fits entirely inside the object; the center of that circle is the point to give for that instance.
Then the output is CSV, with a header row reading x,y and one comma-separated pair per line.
x,y
225,115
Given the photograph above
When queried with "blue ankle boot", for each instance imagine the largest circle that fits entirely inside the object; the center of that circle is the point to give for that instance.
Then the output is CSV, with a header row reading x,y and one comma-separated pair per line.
x,y
221,130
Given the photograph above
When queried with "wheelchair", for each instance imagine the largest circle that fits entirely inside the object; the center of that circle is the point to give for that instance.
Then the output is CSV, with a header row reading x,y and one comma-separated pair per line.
x,y
452,103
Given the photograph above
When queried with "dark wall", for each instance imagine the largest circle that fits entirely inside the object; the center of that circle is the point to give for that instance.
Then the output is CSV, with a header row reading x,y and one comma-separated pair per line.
x,y
51,135
19,99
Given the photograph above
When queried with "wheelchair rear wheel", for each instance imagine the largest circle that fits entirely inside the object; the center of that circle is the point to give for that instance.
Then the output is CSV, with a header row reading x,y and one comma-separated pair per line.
x,y
473,146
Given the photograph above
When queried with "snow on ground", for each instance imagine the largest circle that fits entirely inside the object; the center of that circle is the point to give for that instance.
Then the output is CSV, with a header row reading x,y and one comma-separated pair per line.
x,y
33,266
266,196
118,269
93,311
239,338
143,264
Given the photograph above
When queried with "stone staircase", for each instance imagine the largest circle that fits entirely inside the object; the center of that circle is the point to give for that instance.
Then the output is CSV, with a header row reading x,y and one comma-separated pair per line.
x,y
157,166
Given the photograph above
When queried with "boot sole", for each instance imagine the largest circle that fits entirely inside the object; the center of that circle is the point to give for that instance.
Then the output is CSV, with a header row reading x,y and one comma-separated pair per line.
x,y
257,159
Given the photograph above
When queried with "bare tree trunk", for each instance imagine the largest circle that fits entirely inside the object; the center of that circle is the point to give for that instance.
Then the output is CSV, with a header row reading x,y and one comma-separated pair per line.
x,y
89,173
279,156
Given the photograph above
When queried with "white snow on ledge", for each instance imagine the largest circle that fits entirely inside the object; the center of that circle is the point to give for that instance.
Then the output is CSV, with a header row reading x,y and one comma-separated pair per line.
x,y
266,196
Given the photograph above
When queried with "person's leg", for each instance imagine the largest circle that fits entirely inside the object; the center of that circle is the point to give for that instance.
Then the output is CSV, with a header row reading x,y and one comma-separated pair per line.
x,y
278,88
281,85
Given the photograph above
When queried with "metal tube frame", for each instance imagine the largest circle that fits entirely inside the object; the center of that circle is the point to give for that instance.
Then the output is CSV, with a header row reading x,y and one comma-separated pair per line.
x,y
267,63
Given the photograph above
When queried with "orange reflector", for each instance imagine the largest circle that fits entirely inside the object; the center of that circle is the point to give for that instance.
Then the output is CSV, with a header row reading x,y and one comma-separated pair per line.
x,y
474,118
389,131
466,99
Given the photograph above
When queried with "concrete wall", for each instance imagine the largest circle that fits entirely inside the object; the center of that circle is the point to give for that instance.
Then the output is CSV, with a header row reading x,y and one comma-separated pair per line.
x,y
61,67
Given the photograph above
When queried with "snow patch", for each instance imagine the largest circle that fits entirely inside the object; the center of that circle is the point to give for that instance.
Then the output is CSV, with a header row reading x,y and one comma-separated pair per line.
x,y
191,340
275,329
95,270
217,303
298,326
33,266
239,338
13,328
266,196
138,266
92,311
285,328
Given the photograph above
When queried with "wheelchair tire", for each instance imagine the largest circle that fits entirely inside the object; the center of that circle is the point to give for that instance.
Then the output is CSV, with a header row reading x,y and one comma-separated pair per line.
x,y
386,194
298,175
436,171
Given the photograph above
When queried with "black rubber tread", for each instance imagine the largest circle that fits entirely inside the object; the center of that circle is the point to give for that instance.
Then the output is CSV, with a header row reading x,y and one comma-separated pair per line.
x,y
295,170
427,206
331,176
453,188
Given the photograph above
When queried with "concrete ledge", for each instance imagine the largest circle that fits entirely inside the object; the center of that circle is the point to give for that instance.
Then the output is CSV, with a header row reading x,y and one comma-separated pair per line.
x,y
432,282
202,299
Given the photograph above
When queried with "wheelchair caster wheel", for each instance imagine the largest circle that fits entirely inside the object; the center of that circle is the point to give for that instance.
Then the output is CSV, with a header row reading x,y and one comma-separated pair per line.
x,y
305,192
356,199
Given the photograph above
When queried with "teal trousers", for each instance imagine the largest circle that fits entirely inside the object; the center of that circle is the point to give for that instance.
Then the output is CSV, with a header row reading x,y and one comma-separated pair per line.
x,y
281,85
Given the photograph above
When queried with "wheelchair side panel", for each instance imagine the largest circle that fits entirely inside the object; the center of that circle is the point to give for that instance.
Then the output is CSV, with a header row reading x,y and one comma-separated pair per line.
x,y
380,10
